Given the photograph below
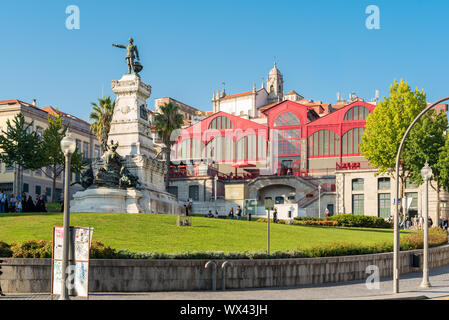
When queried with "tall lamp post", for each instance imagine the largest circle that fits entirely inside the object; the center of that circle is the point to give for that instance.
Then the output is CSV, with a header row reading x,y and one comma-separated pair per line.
x,y
319,201
68,146
426,173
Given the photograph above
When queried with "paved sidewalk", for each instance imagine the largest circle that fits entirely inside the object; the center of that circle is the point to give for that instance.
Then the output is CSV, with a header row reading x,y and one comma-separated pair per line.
x,y
409,289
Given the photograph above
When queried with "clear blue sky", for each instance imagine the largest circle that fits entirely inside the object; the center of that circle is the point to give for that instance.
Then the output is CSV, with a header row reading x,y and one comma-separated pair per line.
x,y
188,48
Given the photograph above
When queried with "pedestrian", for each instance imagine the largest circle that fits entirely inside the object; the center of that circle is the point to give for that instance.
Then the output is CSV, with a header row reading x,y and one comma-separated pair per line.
x,y
61,201
239,213
12,203
430,222
326,212
30,204
2,202
275,215
40,204
209,214
231,213
216,214
445,223
420,222
19,206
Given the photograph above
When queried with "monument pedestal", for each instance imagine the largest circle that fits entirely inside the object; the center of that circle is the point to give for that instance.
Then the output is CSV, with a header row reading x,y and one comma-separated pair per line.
x,y
130,129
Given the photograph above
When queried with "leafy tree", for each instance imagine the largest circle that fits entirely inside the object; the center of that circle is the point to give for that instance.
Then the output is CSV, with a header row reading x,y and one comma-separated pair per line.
x,y
102,117
426,141
166,122
20,147
54,158
386,126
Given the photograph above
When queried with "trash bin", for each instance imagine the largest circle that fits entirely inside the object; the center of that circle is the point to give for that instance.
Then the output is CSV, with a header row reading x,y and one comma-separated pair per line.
x,y
415,260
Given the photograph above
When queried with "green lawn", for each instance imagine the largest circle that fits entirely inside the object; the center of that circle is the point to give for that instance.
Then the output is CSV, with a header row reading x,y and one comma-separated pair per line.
x,y
150,232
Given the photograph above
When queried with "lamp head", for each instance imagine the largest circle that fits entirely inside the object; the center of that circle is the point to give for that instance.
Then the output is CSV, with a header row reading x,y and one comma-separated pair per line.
x,y
426,172
68,144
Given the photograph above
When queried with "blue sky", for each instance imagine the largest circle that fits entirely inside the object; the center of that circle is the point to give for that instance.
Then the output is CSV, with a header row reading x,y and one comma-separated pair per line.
x,y
188,48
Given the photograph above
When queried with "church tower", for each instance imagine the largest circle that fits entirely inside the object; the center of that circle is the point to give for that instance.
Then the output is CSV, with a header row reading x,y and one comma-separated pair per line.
x,y
275,85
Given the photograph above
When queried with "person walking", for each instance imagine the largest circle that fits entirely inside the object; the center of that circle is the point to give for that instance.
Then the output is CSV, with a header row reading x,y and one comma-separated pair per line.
x,y
239,213
231,213
275,215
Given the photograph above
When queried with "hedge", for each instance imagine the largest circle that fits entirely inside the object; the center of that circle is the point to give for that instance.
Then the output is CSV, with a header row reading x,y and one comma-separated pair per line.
x,y
414,240
350,220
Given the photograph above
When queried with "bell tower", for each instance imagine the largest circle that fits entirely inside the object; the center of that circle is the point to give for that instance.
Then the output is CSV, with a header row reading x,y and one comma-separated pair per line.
x,y
275,85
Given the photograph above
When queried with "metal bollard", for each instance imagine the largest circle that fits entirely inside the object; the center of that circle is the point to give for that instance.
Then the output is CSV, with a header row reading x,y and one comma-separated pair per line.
x,y
223,266
214,273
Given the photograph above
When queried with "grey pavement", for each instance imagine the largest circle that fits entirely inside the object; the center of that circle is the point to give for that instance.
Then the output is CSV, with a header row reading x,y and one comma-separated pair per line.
x,y
357,290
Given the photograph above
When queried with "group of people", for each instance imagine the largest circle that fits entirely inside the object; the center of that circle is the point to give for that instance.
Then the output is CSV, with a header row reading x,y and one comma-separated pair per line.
x,y
21,203
414,223
231,215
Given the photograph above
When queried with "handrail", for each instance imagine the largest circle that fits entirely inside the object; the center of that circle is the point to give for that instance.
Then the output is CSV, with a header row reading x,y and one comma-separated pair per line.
x,y
214,273
223,274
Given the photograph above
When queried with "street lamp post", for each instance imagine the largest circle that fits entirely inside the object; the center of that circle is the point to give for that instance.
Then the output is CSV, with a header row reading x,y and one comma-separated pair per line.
x,y
68,146
319,201
426,173
396,246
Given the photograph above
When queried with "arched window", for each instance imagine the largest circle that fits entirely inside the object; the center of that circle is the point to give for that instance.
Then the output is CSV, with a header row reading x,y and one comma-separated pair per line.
x,y
220,149
221,122
287,119
189,149
351,141
357,113
251,147
323,143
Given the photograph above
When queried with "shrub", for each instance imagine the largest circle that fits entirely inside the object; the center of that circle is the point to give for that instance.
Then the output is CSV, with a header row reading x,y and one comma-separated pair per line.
x,y
353,220
307,218
415,240
32,249
5,250
318,223
100,251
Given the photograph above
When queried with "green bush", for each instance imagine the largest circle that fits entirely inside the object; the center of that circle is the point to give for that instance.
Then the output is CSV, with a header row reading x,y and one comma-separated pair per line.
x,y
5,250
32,249
354,220
100,251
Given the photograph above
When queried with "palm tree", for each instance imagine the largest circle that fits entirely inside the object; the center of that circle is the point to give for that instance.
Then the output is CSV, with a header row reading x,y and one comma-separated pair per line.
x,y
102,117
166,122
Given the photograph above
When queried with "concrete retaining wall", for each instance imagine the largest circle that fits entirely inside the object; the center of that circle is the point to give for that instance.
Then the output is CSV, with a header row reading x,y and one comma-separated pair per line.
x,y
33,275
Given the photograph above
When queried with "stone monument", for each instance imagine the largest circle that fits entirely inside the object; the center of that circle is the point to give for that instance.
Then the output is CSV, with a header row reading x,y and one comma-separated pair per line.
x,y
127,178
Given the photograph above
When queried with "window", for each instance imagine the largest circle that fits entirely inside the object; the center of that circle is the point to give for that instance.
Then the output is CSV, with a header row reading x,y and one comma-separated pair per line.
x,y
58,194
221,149
279,200
48,192
78,145
194,193
323,143
409,184
37,190
173,190
38,172
9,168
351,140
189,149
39,131
358,204
96,152
357,113
85,150
384,204
251,147
357,184
383,183
221,122
26,187
287,119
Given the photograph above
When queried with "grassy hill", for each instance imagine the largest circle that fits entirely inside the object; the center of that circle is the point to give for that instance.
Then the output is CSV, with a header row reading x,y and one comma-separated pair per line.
x,y
151,232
